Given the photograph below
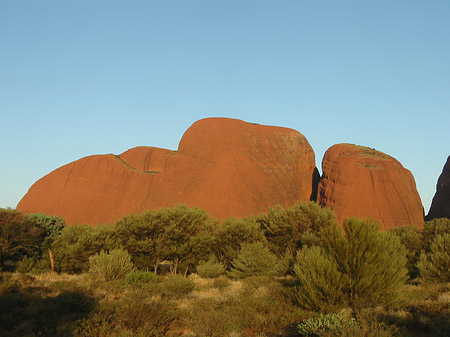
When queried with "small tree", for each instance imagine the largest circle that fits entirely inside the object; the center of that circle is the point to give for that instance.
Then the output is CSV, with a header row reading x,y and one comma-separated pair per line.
x,y
18,236
435,264
285,228
254,259
51,227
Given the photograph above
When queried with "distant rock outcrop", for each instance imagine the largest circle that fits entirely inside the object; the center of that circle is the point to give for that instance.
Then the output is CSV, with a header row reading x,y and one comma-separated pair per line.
x,y
227,167
362,182
440,207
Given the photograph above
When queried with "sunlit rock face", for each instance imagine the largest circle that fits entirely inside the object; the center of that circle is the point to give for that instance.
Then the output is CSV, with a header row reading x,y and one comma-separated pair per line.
x,y
227,167
440,207
362,182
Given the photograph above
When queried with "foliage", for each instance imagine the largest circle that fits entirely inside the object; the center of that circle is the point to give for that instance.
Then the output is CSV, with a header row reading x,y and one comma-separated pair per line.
x,y
231,233
433,228
435,265
322,285
211,268
324,323
177,286
180,235
343,325
254,259
113,266
284,228
18,236
76,243
129,317
138,276
413,239
366,267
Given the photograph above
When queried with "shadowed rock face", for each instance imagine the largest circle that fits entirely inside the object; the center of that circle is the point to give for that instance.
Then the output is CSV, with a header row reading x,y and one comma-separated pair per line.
x,y
227,167
359,181
440,207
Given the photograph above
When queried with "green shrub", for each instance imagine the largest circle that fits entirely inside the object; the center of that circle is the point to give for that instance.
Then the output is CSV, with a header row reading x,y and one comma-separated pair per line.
x,y
359,266
115,265
130,317
210,269
254,259
177,286
316,326
435,265
140,277
221,283
25,265
342,325
322,285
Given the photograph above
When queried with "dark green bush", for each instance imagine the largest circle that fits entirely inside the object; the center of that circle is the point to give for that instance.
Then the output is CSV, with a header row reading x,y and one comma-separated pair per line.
x,y
140,277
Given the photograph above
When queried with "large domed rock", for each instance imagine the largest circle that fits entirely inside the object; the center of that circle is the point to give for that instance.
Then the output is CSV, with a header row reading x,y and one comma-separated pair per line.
x,y
440,207
362,182
227,167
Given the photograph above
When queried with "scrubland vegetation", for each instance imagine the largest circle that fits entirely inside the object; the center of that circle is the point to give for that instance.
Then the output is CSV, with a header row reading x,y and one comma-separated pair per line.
x,y
178,272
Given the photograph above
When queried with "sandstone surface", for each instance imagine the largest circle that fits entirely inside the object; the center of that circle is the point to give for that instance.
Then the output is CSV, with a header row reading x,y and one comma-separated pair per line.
x,y
440,206
362,182
227,167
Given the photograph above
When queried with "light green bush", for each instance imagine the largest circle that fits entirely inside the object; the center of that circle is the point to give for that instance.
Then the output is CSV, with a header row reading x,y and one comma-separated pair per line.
x,y
111,266
177,286
210,269
435,264
254,259
358,266
139,276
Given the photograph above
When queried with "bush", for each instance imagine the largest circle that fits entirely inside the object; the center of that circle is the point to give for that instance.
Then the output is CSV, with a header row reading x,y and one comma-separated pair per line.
x,y
342,325
359,266
210,269
322,285
129,317
113,266
435,265
177,286
325,323
140,277
254,259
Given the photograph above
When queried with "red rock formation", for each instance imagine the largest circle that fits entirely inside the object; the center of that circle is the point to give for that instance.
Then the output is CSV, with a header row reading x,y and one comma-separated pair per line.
x,y
440,207
359,181
225,166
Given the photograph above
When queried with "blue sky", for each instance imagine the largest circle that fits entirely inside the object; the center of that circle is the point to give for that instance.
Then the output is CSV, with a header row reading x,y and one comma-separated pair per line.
x,y
90,77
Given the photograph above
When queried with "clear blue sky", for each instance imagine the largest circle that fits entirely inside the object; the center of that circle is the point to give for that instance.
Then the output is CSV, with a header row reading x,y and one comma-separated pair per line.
x,y
90,77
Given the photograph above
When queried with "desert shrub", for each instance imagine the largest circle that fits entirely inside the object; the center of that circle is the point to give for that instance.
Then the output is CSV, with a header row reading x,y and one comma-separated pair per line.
x,y
413,239
140,277
324,323
322,285
210,317
285,228
435,265
221,283
25,265
177,286
343,325
433,228
359,266
254,259
129,317
115,265
210,269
